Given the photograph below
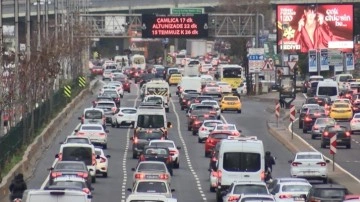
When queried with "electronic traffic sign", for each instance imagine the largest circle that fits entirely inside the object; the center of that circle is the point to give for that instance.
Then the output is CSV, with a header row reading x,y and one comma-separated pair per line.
x,y
162,26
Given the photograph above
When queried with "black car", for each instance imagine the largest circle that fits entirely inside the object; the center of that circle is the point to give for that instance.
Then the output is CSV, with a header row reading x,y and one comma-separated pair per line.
x,y
320,100
114,95
154,153
200,98
70,168
146,78
142,137
184,101
310,118
327,192
343,136
303,112
159,71
138,75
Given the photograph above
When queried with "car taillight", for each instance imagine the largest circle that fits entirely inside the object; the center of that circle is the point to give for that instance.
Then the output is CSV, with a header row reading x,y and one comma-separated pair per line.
x,y
93,160
164,176
83,175
295,163
321,163
326,134
102,160
168,160
80,133
354,121
233,198
184,100
308,119
262,175
120,114
213,159
117,99
86,190
60,156
202,129
284,196
315,127
219,173
101,134
139,176
142,158
197,122
214,174
56,174
135,140
347,134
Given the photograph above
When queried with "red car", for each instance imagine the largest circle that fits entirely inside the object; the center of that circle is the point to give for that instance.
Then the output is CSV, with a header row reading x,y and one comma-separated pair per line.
x,y
97,70
214,138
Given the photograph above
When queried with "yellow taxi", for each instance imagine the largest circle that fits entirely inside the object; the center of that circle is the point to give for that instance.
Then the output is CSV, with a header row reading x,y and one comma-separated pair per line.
x,y
341,110
230,103
175,79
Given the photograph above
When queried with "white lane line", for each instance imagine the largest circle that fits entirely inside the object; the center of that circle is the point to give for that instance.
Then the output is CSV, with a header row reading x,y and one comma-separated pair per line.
x,y
223,118
311,147
304,94
187,156
56,160
123,190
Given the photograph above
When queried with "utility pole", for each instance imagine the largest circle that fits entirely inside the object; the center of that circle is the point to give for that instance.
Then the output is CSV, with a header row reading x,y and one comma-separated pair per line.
x,y
257,46
38,19
1,68
28,31
47,20
16,12
176,40
56,7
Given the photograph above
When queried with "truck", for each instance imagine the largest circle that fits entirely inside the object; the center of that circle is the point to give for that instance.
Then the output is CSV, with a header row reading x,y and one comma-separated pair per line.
x,y
196,47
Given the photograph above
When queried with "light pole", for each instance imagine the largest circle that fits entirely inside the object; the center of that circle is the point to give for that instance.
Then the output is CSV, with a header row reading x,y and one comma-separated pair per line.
x,y
28,31
38,28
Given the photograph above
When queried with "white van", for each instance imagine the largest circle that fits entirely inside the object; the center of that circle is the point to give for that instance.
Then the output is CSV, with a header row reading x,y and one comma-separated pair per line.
x,y
316,78
79,152
119,60
192,68
55,196
93,116
343,81
190,83
239,159
328,87
149,197
138,61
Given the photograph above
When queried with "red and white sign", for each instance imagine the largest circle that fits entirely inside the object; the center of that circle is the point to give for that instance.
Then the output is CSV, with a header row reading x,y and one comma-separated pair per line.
x,y
333,145
268,65
291,64
277,110
292,113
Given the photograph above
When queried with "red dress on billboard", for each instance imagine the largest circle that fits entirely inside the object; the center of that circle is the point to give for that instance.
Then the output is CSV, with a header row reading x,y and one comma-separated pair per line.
x,y
322,36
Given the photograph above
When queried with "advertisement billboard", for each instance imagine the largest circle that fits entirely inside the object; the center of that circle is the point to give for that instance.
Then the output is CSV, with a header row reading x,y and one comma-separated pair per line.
x,y
305,27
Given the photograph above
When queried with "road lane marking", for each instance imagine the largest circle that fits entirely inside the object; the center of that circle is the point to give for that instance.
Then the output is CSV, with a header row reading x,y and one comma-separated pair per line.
x,y
56,160
187,156
123,190
313,148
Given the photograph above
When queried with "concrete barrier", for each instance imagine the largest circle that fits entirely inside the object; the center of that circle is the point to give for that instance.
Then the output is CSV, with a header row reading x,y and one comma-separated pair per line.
x,y
34,152
296,144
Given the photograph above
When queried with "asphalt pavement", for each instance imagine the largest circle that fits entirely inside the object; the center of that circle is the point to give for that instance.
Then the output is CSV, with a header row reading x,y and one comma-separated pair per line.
x,y
191,180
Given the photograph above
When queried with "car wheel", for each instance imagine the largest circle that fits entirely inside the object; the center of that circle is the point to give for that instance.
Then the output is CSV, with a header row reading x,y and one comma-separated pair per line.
x,y
105,175
134,155
93,179
194,132
121,96
177,165
117,125
304,130
300,125
325,180
239,111
218,196
219,117
348,146
207,154
322,145
212,189
222,111
182,108
313,137
112,124
167,110
199,140
189,128
105,146
128,91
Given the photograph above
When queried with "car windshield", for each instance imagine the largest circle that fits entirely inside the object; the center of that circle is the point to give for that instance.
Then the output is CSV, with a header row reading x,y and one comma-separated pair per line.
x,y
110,94
105,105
77,140
242,162
97,152
341,106
128,111
314,84
327,90
154,150
209,103
151,166
330,193
231,98
296,188
211,124
100,128
337,129
250,189
357,116
163,144
70,184
150,121
77,154
220,136
225,127
314,111
152,187
69,166
173,71
149,135
309,156
326,121
93,114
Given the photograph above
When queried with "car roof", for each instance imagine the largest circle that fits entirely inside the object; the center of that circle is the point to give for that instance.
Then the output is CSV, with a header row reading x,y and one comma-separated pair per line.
x,y
92,109
90,124
121,108
249,182
70,178
106,101
151,162
333,186
219,121
291,179
171,141
70,162
308,153
295,183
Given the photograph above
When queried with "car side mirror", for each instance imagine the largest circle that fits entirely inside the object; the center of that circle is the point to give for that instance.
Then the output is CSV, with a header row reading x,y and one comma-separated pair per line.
x,y
178,148
50,169
56,155
133,169
79,118
108,156
129,190
131,138
98,157
172,190
169,125
76,131
327,161
91,170
290,161
107,131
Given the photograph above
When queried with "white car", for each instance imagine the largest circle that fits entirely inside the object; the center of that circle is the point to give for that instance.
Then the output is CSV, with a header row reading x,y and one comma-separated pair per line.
x,y
76,183
205,68
206,128
149,197
291,191
244,187
256,197
158,99
102,163
76,139
174,151
227,127
212,89
107,74
215,104
355,123
95,132
152,186
151,170
225,87
242,89
124,116
118,87
309,165
206,78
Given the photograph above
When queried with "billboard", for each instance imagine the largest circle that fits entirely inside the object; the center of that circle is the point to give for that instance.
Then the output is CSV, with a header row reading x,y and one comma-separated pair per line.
x,y
305,27
195,26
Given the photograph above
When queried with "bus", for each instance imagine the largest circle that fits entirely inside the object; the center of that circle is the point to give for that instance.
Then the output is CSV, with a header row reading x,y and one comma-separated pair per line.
x,y
232,74
138,61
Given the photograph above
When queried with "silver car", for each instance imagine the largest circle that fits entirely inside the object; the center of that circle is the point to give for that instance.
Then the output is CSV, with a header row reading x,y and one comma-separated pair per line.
x,y
320,125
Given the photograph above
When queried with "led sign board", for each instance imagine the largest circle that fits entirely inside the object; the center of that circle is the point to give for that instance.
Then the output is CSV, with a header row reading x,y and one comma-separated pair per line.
x,y
195,26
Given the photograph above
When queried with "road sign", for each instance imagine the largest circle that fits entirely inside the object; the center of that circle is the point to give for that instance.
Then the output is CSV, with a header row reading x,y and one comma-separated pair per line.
x,y
186,11
256,59
277,110
67,91
291,64
82,81
333,145
268,65
292,113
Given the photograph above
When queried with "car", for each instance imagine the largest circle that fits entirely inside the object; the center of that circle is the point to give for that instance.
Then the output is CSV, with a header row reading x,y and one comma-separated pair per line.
x,y
256,197
310,118
160,71
309,165
142,137
206,128
69,168
94,116
193,116
320,100
109,108
124,80
291,191
151,170
352,198
241,89
206,78
59,195
214,138
97,70
231,128
124,116
319,126
95,132
174,150
113,94
107,87
202,109
201,98
175,79
341,111
304,109
118,86
152,186
76,139
186,99
71,182
107,74
277,181
244,187
327,192
158,99
162,154
343,136
212,89
206,68
230,103
199,119
149,197
102,163
170,71
355,123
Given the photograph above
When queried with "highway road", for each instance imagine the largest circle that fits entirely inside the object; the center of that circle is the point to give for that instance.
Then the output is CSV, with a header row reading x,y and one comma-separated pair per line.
x,y
191,180
346,158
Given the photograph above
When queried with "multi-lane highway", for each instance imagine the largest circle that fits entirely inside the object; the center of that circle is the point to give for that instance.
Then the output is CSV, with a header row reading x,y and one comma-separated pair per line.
x,y
191,180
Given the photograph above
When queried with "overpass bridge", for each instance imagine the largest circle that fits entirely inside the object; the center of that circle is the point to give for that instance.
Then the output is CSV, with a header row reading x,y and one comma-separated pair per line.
x,y
114,6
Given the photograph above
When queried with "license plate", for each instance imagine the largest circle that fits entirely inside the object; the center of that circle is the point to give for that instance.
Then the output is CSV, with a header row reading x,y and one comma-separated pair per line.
x,y
338,140
128,122
152,176
298,199
231,103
